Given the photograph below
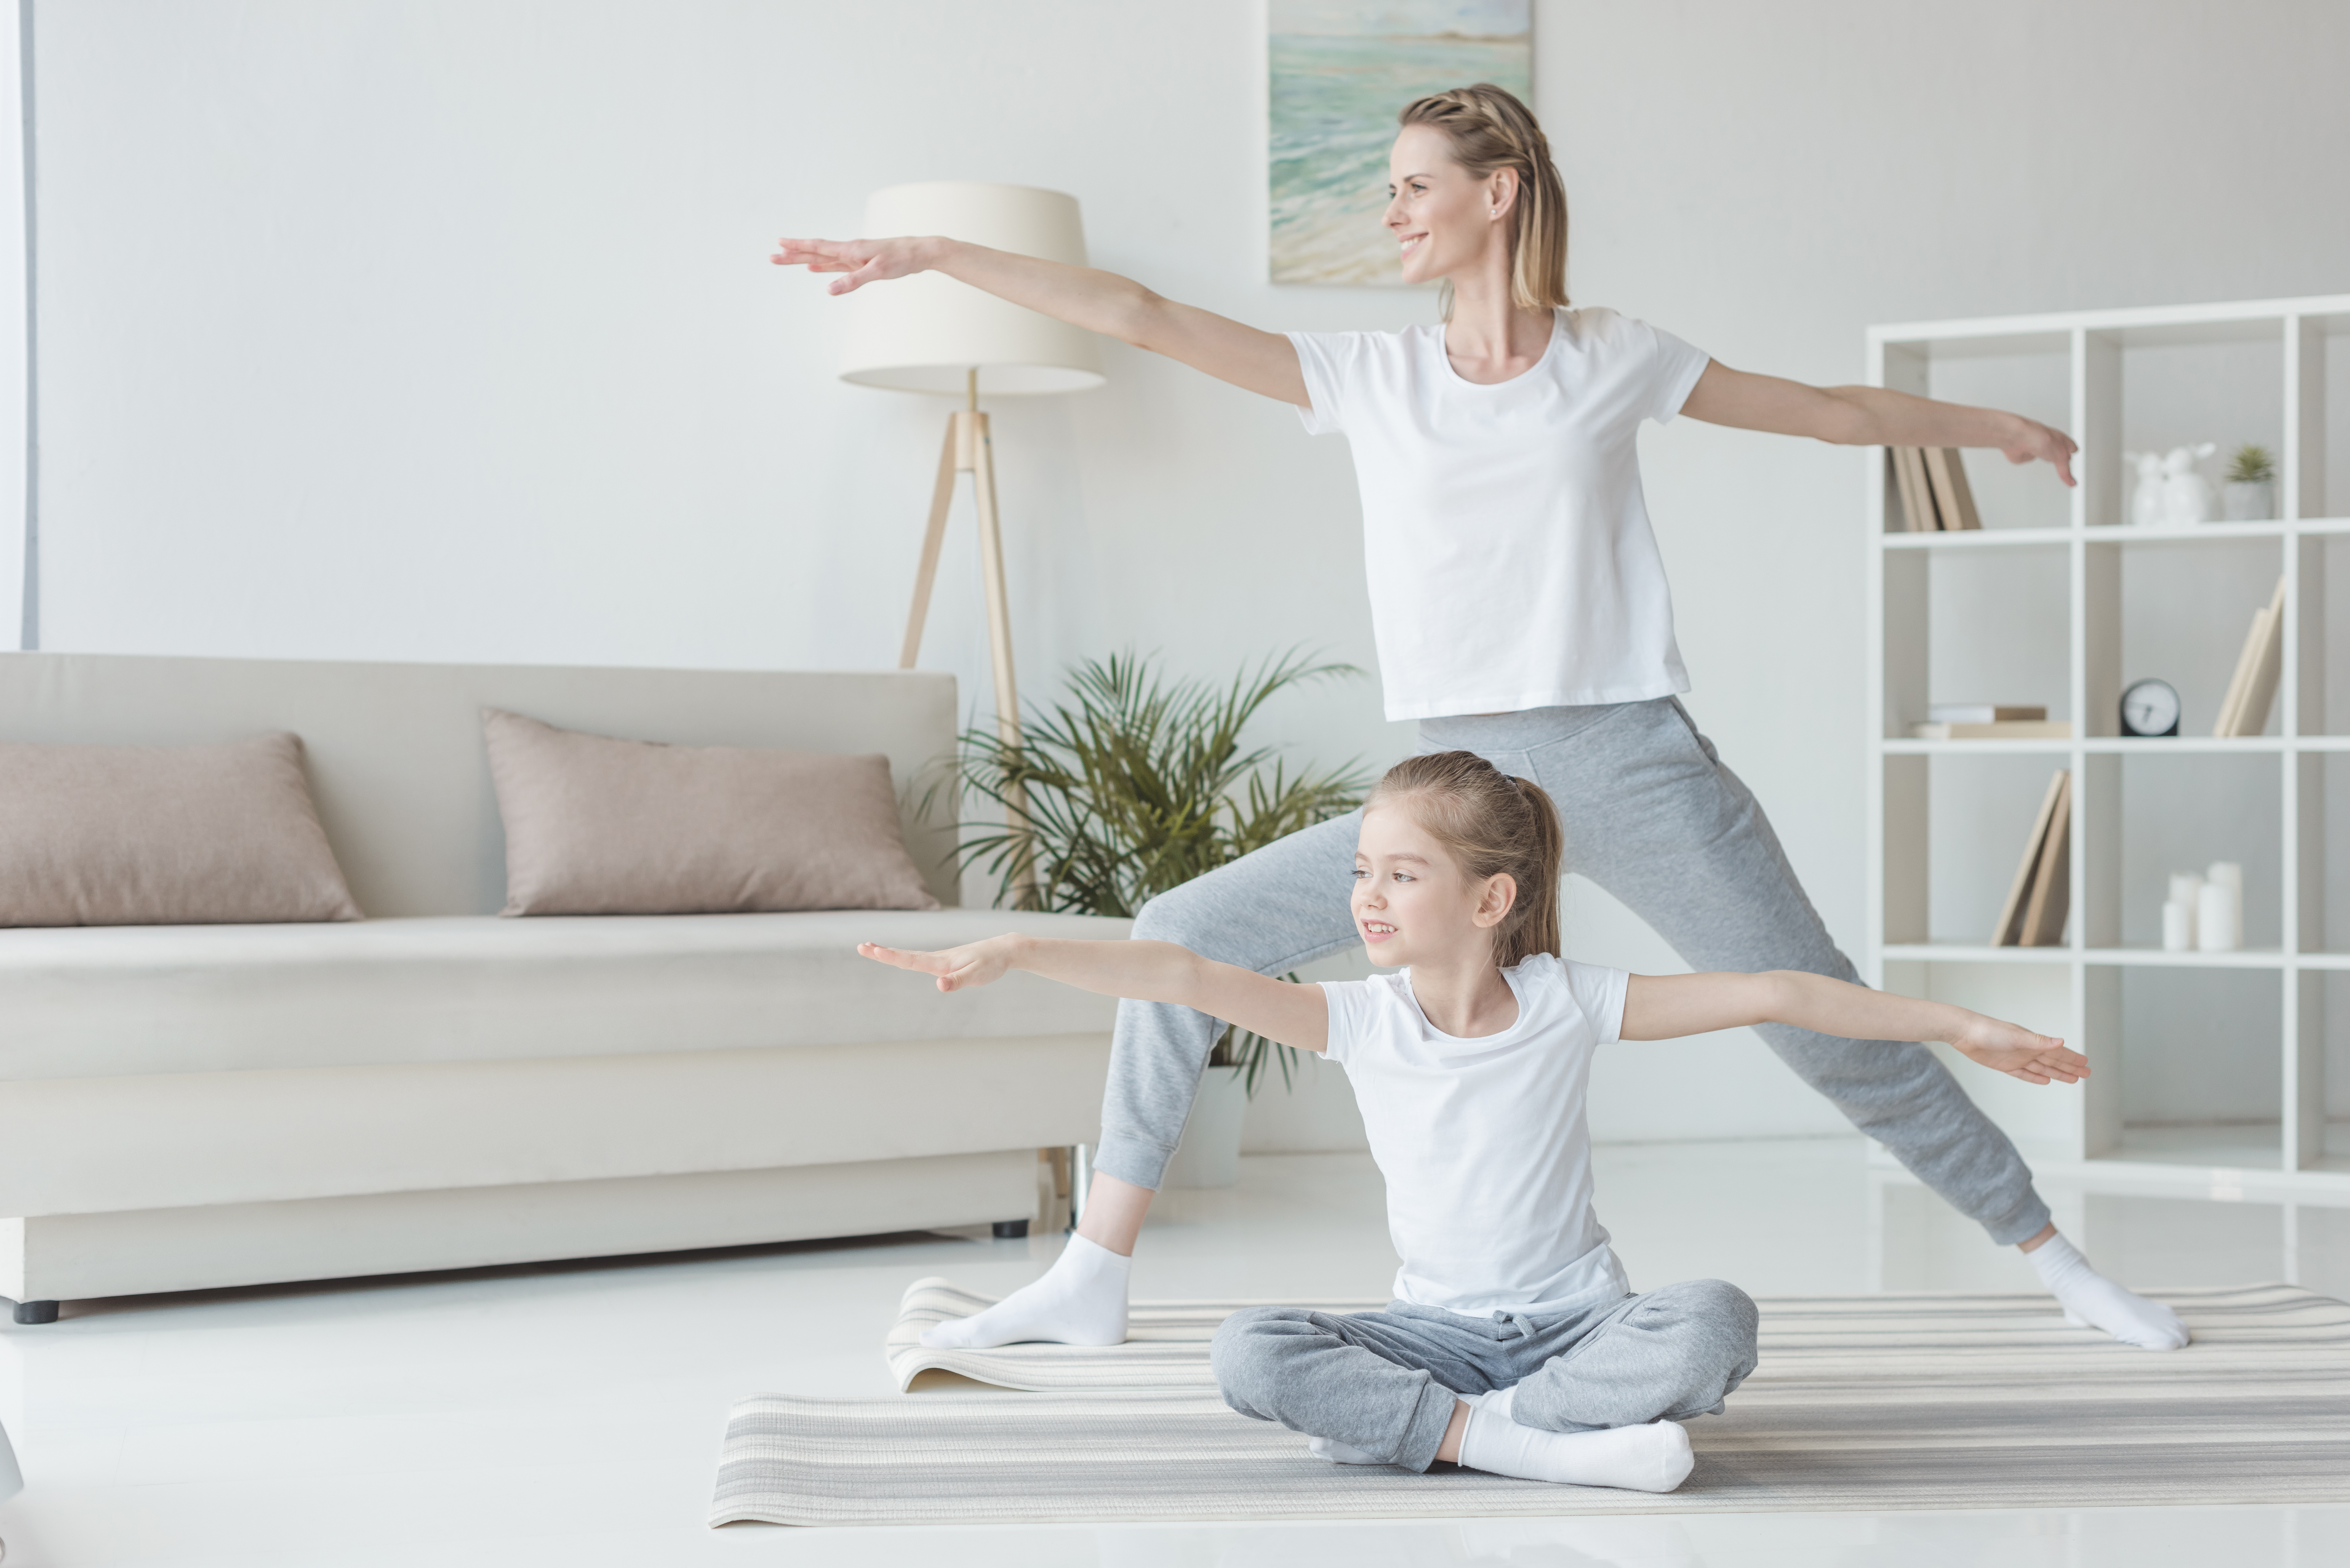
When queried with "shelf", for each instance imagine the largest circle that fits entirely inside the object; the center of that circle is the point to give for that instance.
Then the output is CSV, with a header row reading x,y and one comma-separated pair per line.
x,y
1962,953
1977,539
1905,747
2111,534
2121,745
2031,332
2145,958
2155,958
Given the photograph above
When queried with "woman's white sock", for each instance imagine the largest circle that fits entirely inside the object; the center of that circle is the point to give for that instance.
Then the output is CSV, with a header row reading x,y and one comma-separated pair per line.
x,y
2091,1300
1652,1458
1080,1300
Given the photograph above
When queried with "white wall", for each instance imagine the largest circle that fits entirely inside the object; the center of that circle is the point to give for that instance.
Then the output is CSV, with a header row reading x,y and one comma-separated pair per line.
x,y
443,330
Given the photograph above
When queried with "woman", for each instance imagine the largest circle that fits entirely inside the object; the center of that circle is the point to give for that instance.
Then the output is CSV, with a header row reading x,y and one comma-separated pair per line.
x,y
1521,612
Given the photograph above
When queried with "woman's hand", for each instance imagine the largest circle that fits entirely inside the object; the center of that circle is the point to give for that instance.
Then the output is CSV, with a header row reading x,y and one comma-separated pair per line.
x,y
2018,1053
958,969
865,261
2032,442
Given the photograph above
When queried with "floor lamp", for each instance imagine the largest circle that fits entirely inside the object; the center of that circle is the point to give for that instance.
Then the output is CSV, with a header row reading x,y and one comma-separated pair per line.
x,y
931,334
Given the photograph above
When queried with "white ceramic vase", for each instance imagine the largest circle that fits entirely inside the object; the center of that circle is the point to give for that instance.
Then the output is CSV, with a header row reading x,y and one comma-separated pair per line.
x,y
2249,501
1210,1152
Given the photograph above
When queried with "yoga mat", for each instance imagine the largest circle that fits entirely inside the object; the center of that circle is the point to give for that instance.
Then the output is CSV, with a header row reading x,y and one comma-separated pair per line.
x,y
1862,1402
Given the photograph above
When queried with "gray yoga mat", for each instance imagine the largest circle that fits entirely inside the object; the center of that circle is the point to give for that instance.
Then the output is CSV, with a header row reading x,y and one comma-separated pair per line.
x,y
1861,1402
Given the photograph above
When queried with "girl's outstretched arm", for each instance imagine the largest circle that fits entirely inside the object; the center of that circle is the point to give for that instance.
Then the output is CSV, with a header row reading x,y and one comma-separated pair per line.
x,y
1869,416
1098,301
1663,1007
1295,1015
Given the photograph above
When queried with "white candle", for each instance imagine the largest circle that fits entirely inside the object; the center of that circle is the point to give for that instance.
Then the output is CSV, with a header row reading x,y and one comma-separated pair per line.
x,y
2179,925
2232,872
2219,918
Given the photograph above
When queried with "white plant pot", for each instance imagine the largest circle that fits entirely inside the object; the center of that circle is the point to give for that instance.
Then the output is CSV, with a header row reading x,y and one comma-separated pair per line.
x,y
2252,502
1210,1152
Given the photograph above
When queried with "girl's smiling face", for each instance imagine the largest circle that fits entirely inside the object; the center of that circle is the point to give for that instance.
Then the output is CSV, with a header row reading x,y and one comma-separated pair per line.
x,y
1411,903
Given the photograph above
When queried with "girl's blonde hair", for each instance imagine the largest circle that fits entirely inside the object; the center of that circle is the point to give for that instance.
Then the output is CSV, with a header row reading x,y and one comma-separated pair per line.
x,y
1490,130
1491,823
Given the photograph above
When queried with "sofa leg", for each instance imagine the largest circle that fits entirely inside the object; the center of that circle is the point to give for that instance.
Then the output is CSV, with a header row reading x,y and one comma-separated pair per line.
x,y
1011,1230
36,1311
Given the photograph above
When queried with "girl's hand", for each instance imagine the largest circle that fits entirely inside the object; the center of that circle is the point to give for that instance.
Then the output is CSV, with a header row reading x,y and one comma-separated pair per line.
x,y
2032,442
958,969
2018,1053
865,261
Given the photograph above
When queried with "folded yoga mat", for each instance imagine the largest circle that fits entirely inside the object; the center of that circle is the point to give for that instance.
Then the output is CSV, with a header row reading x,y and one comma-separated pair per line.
x,y
1861,1402
1165,1345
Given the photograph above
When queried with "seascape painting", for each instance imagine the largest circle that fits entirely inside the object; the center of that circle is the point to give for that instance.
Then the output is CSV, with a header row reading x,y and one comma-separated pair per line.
x,y
1340,70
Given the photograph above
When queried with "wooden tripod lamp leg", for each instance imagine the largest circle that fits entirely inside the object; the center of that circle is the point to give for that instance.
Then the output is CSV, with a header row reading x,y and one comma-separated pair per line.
x,y
999,630
928,572
991,568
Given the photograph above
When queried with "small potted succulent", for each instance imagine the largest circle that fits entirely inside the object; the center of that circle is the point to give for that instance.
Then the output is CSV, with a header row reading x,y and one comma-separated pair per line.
x,y
2250,490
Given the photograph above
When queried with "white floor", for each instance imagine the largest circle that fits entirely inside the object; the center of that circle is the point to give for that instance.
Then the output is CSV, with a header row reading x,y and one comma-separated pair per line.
x,y
570,1415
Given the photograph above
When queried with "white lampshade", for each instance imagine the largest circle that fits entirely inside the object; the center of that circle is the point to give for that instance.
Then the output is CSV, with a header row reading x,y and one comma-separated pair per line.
x,y
925,333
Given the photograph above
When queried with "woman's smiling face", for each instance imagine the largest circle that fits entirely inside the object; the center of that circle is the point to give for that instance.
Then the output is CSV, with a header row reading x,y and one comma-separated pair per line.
x,y
1443,218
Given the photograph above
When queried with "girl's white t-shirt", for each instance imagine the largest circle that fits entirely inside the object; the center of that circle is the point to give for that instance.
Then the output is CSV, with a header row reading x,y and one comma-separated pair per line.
x,y
1482,1142
1507,543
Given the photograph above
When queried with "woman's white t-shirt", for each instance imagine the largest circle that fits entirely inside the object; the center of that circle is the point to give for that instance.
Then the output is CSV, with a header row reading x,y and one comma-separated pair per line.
x,y
1511,561
1482,1142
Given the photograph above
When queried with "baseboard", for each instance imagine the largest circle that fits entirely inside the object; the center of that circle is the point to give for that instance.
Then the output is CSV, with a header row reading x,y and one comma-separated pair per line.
x,y
139,1252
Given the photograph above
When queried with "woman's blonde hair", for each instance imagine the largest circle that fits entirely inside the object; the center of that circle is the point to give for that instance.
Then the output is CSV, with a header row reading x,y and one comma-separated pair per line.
x,y
1490,130
1490,824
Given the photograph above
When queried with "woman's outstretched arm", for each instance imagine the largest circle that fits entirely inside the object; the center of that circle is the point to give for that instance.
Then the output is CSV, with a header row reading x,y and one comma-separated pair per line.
x,y
1869,416
1665,1007
1098,301
1296,1015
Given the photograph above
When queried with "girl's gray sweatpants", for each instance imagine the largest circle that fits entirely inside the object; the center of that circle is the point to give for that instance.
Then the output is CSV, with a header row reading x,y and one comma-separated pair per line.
x,y
1653,818
1385,1382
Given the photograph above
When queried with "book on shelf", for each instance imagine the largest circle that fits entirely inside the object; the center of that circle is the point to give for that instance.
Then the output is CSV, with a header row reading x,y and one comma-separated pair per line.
x,y
2041,891
1954,502
1996,730
1931,482
2251,690
1909,479
1984,712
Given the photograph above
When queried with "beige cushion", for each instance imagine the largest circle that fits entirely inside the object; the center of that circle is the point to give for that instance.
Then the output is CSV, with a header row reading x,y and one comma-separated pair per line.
x,y
163,836
603,827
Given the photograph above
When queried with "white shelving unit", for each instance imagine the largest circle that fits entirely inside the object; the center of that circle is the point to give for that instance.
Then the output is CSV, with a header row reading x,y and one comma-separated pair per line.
x,y
2088,1130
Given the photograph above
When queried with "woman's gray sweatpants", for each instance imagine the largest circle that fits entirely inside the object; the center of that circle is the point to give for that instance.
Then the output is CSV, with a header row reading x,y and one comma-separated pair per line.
x,y
1385,1382
1653,818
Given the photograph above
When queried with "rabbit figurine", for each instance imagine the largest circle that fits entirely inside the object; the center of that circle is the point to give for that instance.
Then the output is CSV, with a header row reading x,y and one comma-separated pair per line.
x,y
2146,497
2186,494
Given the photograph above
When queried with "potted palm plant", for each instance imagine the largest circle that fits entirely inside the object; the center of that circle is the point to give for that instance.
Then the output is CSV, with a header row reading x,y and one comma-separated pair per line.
x,y
1135,783
2249,495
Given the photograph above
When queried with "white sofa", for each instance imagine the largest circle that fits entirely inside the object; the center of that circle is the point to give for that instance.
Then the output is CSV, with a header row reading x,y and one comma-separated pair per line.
x,y
437,1087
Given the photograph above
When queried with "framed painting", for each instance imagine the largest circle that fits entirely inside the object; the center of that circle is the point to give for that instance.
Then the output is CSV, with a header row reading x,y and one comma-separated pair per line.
x,y
1340,69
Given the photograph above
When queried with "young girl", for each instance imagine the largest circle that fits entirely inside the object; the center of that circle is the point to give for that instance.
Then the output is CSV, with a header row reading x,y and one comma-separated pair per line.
x,y
1520,608
1514,1342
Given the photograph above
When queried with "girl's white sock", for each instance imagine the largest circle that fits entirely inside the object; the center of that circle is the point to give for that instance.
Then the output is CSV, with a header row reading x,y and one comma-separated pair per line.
x,y
1652,1458
1080,1300
2093,1301
1339,1453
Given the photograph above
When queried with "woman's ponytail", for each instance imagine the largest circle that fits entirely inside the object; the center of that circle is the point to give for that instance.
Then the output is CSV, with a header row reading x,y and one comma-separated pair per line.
x,y
1490,130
